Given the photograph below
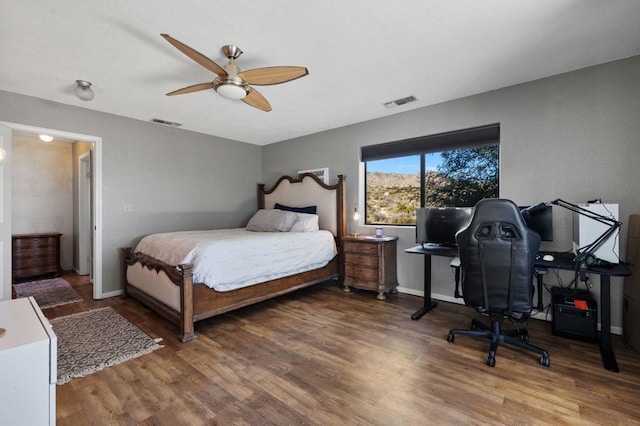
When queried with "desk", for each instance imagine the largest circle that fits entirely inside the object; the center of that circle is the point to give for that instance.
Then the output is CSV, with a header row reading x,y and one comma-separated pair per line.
x,y
562,261
427,251
565,262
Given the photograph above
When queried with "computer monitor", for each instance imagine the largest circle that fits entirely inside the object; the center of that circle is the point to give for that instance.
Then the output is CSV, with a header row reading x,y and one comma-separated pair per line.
x,y
540,221
439,225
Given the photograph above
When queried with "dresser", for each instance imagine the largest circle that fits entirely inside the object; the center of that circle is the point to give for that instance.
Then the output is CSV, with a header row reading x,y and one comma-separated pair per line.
x,y
370,264
28,364
36,255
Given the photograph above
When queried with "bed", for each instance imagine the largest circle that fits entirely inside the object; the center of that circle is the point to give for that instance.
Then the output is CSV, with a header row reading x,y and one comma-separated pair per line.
x,y
171,291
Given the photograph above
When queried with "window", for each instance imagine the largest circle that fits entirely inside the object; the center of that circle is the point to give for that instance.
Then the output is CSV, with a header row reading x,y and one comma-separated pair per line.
x,y
454,169
392,190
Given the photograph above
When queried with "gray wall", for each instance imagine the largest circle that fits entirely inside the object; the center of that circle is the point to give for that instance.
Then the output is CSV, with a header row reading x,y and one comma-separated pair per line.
x,y
573,136
175,179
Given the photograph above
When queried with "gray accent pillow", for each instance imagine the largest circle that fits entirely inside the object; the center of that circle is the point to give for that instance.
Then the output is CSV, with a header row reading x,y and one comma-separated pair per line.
x,y
305,223
271,220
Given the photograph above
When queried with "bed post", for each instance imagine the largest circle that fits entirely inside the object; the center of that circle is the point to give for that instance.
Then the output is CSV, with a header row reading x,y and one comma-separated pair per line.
x,y
187,332
125,253
342,223
341,205
260,196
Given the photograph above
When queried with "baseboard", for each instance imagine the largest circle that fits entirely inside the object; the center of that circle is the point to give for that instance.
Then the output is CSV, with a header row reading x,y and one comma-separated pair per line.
x,y
445,298
112,294
410,291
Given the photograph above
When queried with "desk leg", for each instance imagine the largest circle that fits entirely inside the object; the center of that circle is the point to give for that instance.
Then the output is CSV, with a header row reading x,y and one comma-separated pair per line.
x,y
540,283
428,303
606,350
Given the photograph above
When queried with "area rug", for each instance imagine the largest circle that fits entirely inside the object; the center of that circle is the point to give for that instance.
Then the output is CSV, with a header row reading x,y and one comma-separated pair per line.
x,y
48,293
91,341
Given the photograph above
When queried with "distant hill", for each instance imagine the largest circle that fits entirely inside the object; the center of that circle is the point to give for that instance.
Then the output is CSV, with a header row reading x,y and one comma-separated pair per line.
x,y
393,180
394,197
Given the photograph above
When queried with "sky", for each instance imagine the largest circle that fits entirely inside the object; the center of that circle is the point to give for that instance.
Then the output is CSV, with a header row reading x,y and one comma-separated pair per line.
x,y
406,165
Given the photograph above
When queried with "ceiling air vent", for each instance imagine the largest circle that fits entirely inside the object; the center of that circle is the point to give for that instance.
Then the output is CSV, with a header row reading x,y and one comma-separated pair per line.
x,y
398,102
165,122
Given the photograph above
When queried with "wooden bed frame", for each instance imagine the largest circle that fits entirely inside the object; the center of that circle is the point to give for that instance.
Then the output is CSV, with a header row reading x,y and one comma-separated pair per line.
x,y
184,302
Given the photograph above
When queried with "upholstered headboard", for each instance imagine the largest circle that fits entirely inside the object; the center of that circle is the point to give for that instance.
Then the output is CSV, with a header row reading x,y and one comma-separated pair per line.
x,y
310,191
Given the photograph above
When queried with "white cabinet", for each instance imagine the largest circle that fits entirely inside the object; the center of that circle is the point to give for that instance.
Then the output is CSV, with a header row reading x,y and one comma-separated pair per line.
x,y
28,351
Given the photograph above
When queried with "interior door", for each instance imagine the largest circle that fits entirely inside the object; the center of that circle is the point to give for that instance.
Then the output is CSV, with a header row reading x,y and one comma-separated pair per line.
x,y
5,213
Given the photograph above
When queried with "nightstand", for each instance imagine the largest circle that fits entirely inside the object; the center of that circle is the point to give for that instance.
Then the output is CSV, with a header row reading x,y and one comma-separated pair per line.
x,y
370,264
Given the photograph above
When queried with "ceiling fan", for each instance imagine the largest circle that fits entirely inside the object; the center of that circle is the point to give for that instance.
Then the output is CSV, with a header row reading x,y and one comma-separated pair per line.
x,y
232,83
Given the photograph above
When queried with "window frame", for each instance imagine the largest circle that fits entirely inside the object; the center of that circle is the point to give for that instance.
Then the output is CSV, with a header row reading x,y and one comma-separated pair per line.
x,y
476,137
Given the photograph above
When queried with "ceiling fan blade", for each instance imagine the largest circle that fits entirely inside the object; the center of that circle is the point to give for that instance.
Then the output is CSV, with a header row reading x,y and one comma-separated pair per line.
x,y
195,55
191,89
256,100
272,75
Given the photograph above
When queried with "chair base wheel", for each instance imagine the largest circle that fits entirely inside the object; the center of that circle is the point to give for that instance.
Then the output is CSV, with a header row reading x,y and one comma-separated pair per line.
x,y
544,360
490,361
451,338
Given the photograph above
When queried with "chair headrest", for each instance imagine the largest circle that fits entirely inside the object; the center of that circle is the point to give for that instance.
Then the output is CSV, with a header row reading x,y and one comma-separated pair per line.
x,y
498,210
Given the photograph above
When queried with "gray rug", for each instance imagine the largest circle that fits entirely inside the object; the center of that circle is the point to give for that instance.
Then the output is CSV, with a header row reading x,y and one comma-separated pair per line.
x,y
48,293
90,341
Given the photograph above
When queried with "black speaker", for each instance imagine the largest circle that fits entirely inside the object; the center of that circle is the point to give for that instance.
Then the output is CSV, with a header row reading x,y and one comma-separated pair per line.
x,y
575,314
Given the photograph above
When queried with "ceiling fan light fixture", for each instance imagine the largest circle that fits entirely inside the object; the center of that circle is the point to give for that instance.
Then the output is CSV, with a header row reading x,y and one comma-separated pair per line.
x,y
230,82
231,91
83,90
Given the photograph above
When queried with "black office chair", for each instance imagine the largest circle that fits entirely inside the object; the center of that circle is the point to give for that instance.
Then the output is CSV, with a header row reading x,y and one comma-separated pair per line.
x,y
497,252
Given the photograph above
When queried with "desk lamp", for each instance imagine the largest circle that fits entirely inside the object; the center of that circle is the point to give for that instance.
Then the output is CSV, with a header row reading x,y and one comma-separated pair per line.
x,y
586,254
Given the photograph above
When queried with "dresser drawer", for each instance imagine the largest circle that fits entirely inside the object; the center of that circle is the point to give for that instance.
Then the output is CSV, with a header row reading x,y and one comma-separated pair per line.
x,y
34,271
363,260
355,247
359,272
34,243
41,260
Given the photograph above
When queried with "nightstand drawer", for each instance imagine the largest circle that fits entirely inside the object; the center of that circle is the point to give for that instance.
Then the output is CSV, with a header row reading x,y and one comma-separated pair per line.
x,y
362,274
362,260
355,247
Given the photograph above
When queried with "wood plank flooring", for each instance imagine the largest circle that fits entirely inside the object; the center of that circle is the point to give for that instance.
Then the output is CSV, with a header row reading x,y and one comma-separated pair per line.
x,y
324,357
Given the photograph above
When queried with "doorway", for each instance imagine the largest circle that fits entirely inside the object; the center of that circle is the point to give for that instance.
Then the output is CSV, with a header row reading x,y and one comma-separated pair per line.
x,y
93,212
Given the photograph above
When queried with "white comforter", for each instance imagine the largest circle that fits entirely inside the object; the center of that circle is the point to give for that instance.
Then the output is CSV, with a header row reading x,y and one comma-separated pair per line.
x,y
227,259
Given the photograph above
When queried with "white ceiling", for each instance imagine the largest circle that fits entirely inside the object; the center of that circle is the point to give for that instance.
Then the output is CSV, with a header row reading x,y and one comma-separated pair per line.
x,y
360,54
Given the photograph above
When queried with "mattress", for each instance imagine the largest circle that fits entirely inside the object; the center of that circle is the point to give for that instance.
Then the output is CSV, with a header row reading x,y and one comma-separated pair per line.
x,y
228,259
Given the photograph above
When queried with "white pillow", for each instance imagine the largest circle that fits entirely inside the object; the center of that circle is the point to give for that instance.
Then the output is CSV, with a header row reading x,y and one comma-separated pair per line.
x,y
305,223
271,220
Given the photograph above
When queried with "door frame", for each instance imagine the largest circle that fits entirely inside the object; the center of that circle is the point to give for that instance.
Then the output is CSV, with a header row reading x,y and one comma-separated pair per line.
x,y
96,188
84,215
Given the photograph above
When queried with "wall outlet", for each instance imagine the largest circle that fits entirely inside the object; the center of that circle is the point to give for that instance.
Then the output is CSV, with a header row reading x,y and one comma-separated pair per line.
x,y
128,208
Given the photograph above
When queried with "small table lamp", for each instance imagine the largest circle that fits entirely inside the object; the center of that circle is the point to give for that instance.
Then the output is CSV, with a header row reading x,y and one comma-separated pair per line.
x,y
356,220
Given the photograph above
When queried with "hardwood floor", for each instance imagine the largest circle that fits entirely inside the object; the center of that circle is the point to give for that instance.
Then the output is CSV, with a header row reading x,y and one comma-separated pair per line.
x,y
322,356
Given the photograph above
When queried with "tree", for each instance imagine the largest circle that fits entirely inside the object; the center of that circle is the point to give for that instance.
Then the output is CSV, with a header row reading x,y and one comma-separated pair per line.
x,y
464,177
